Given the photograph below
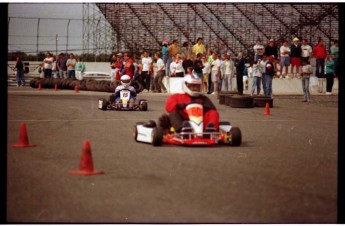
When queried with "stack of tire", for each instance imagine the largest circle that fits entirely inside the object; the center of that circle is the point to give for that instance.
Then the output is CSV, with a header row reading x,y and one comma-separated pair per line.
x,y
234,100
84,84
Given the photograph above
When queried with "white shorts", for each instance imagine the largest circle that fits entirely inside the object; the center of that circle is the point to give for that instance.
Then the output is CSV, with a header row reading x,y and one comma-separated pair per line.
x,y
214,78
245,78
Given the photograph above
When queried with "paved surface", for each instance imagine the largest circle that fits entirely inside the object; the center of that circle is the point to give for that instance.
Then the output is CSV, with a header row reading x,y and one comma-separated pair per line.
x,y
284,172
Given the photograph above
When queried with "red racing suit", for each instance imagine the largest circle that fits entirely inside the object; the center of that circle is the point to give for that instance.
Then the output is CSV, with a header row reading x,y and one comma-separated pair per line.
x,y
210,112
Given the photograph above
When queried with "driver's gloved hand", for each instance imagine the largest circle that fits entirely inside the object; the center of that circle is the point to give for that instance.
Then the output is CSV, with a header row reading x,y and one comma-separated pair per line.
x,y
164,122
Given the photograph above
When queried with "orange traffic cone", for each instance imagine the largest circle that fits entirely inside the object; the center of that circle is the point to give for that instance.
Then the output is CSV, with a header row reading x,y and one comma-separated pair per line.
x,y
267,109
56,88
39,86
76,88
23,140
86,164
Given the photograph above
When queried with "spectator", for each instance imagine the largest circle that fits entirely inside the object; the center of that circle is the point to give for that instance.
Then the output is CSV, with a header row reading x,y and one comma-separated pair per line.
x,y
112,67
147,71
239,64
71,66
307,70
79,68
307,51
259,50
199,47
284,59
48,65
128,67
271,49
187,62
19,67
320,54
186,50
198,66
269,73
158,80
246,73
210,60
229,71
176,68
61,65
257,74
165,54
296,54
173,49
329,74
215,72
263,67
206,70
335,56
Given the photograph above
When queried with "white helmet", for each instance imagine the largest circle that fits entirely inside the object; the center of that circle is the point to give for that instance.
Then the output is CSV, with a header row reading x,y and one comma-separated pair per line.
x,y
192,80
125,80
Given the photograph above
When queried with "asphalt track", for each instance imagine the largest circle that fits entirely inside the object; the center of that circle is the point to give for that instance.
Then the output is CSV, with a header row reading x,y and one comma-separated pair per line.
x,y
285,171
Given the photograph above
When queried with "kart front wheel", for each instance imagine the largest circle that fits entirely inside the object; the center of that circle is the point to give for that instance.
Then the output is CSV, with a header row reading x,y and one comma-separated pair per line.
x,y
102,104
143,106
157,136
236,136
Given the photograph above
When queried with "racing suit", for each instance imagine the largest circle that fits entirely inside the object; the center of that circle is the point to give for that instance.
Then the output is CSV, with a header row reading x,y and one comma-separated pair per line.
x,y
133,93
177,103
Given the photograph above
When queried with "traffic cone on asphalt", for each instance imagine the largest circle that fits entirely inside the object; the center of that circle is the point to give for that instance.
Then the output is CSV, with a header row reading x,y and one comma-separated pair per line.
x,y
39,86
76,88
86,164
56,88
267,109
23,140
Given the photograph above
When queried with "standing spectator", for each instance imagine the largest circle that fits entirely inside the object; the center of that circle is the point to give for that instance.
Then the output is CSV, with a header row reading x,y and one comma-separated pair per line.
x,y
165,55
79,68
173,49
269,73
239,64
257,74
198,66
71,66
176,68
186,50
320,55
158,80
229,71
284,59
20,72
48,65
146,71
263,67
199,47
271,49
210,61
55,71
259,50
215,72
329,74
307,70
206,70
112,67
296,54
307,51
61,65
246,73
187,62
128,68
335,56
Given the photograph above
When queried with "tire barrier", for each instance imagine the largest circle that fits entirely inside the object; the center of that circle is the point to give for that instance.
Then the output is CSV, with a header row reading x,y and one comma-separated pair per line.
x,y
222,96
84,84
241,101
260,101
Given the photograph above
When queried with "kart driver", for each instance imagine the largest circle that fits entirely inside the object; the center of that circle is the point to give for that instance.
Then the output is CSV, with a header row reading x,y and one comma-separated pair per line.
x,y
176,107
125,84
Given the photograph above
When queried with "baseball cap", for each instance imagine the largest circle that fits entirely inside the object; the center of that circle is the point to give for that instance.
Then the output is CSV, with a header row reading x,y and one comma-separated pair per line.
x,y
125,54
271,40
119,54
296,39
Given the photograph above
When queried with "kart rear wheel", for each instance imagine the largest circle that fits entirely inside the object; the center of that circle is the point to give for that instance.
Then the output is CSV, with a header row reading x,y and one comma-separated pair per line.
x,y
157,136
236,136
135,130
143,106
104,104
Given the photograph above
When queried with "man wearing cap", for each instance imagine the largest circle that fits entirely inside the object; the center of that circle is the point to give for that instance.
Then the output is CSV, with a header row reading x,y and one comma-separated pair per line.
x,y
128,65
271,49
259,50
296,54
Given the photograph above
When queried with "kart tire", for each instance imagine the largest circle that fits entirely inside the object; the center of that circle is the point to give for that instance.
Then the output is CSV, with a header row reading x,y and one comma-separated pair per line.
x,y
150,124
104,104
157,136
143,106
260,101
241,101
223,123
236,136
135,133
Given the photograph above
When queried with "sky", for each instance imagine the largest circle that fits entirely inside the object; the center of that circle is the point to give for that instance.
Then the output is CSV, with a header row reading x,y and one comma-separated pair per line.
x,y
54,20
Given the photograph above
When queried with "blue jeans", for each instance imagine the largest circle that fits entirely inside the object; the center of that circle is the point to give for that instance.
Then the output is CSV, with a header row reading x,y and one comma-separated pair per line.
x,y
305,87
268,81
71,74
256,84
263,82
320,64
19,76
62,74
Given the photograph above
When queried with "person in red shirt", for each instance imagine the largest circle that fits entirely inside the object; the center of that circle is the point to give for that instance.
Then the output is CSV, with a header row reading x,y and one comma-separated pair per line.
x,y
320,54
129,67
176,107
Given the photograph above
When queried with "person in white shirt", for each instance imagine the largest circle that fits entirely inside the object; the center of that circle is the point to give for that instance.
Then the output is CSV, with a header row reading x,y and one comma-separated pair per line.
x,y
176,67
307,70
284,59
307,51
158,85
48,65
257,75
263,66
229,71
71,62
147,71
215,72
259,50
205,73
